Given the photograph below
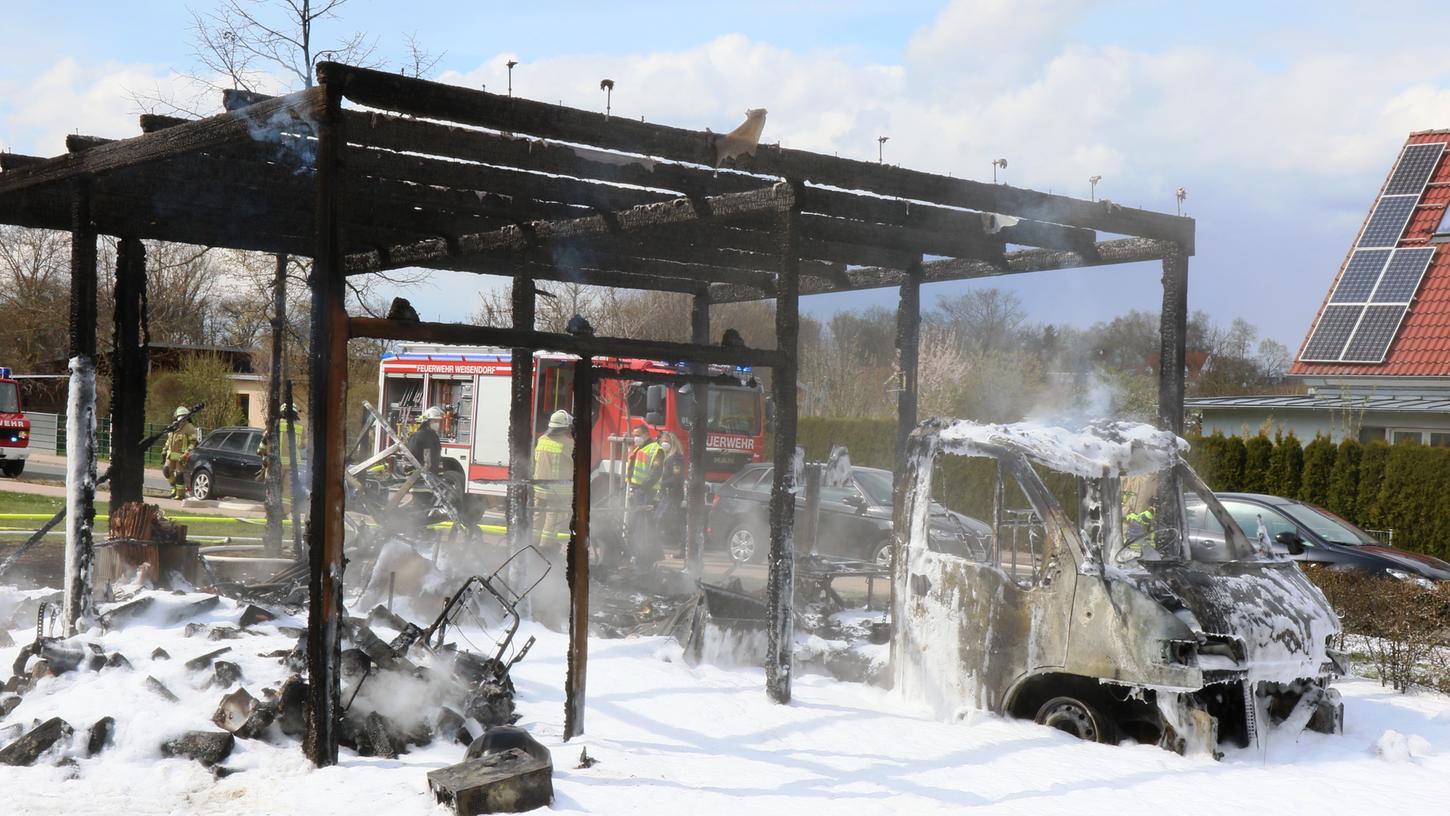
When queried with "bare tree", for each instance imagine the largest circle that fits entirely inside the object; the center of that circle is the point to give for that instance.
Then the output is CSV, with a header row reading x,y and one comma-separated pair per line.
x,y
985,319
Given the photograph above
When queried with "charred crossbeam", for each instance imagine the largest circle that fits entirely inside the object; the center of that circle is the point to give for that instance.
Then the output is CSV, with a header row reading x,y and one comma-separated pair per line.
x,y
514,115
462,334
516,239
1117,251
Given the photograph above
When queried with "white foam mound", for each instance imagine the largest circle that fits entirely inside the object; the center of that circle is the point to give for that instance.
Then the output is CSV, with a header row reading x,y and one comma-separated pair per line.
x,y
1100,448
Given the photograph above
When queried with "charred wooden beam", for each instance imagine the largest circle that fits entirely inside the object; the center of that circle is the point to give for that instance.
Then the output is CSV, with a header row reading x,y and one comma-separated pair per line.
x,y
1117,251
128,374
463,334
152,122
514,115
328,363
1173,333
81,413
780,584
578,553
521,416
908,354
76,143
645,217
169,143
695,474
17,161
915,214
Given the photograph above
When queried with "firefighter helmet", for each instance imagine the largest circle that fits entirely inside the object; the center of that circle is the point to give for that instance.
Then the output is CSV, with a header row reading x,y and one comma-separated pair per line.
x,y
181,411
432,413
560,419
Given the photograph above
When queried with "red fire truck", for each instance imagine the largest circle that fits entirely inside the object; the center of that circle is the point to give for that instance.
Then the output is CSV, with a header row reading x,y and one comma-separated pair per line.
x,y
471,385
14,427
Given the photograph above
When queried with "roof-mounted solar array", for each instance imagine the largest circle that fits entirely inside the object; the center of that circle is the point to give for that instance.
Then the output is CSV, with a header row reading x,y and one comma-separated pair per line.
x,y
1387,222
1373,293
1417,162
1367,306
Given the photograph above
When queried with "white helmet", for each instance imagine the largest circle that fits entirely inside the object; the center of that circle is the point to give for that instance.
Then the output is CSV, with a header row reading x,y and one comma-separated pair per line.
x,y
432,413
181,411
560,419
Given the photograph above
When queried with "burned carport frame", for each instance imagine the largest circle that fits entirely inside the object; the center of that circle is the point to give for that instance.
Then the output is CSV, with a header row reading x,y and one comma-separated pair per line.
x,y
421,173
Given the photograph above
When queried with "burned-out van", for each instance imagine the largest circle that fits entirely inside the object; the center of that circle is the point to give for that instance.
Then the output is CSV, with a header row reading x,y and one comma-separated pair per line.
x,y
1092,610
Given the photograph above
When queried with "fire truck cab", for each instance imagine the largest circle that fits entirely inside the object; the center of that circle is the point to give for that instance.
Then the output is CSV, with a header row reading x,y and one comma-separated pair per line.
x,y
14,427
471,385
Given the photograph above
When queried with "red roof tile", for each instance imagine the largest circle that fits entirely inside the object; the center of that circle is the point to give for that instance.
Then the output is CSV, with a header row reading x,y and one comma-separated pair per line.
x,y
1422,347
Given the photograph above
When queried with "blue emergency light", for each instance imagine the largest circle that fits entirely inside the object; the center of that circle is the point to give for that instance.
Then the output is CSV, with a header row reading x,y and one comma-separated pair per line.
x,y
4,373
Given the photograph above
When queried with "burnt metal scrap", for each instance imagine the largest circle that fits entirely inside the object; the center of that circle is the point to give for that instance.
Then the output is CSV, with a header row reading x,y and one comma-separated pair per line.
x,y
1117,616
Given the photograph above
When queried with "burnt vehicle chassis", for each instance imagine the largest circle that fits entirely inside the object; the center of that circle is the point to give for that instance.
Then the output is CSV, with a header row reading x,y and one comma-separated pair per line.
x,y
1113,625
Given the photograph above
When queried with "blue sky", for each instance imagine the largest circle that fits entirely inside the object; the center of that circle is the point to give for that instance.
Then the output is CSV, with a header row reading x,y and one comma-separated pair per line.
x,y
1281,119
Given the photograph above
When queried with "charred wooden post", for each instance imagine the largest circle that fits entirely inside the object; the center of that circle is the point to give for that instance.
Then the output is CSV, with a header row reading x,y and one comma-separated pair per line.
x,y
1173,331
780,588
296,478
128,375
328,358
81,411
578,556
521,416
699,415
908,354
273,466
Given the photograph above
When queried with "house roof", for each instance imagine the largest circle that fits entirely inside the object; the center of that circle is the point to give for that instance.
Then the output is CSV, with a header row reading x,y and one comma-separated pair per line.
x,y
1422,345
1323,402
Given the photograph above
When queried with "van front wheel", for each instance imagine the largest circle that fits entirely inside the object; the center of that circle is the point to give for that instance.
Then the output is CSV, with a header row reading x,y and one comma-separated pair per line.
x,y
1077,716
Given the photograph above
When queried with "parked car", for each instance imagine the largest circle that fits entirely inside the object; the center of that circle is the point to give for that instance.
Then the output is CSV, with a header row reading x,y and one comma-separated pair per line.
x,y
855,519
1312,535
226,464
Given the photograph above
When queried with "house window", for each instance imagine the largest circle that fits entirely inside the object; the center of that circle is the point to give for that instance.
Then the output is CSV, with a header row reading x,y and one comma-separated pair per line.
x,y
1407,436
1442,232
244,402
1368,434
1440,440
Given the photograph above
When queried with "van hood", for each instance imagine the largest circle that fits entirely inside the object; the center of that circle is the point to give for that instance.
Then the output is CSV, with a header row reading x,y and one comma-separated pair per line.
x,y
1281,620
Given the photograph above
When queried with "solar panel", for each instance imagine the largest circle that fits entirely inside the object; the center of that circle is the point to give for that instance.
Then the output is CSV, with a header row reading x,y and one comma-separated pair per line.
x,y
1417,162
1335,326
1359,277
1375,331
1402,275
1387,223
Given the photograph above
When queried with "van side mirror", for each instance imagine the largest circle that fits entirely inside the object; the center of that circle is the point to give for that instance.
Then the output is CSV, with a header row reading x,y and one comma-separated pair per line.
x,y
855,501
1291,542
654,418
654,399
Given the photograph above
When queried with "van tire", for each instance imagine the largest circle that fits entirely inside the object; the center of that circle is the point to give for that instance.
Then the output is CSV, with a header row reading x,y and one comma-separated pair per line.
x,y
1080,715
15,468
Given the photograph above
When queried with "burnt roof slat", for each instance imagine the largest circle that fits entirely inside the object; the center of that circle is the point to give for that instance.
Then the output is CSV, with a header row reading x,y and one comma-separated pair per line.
x,y
171,142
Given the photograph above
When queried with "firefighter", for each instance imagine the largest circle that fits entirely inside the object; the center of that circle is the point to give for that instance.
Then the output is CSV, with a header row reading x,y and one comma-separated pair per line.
x,y
553,468
424,444
181,442
287,417
670,507
643,472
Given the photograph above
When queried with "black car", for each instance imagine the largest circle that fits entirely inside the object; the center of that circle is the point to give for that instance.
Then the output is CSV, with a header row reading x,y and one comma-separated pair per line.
x,y
855,520
226,464
1312,535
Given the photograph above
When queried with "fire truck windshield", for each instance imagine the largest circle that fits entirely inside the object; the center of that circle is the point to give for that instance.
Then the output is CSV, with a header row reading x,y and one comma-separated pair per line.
x,y
730,410
9,398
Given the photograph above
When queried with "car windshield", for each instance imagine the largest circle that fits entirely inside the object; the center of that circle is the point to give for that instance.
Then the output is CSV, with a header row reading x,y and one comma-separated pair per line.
x,y
731,410
1328,526
876,484
9,398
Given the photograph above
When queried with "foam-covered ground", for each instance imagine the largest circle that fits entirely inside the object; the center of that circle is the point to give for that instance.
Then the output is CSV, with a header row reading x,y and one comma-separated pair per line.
x,y
698,741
